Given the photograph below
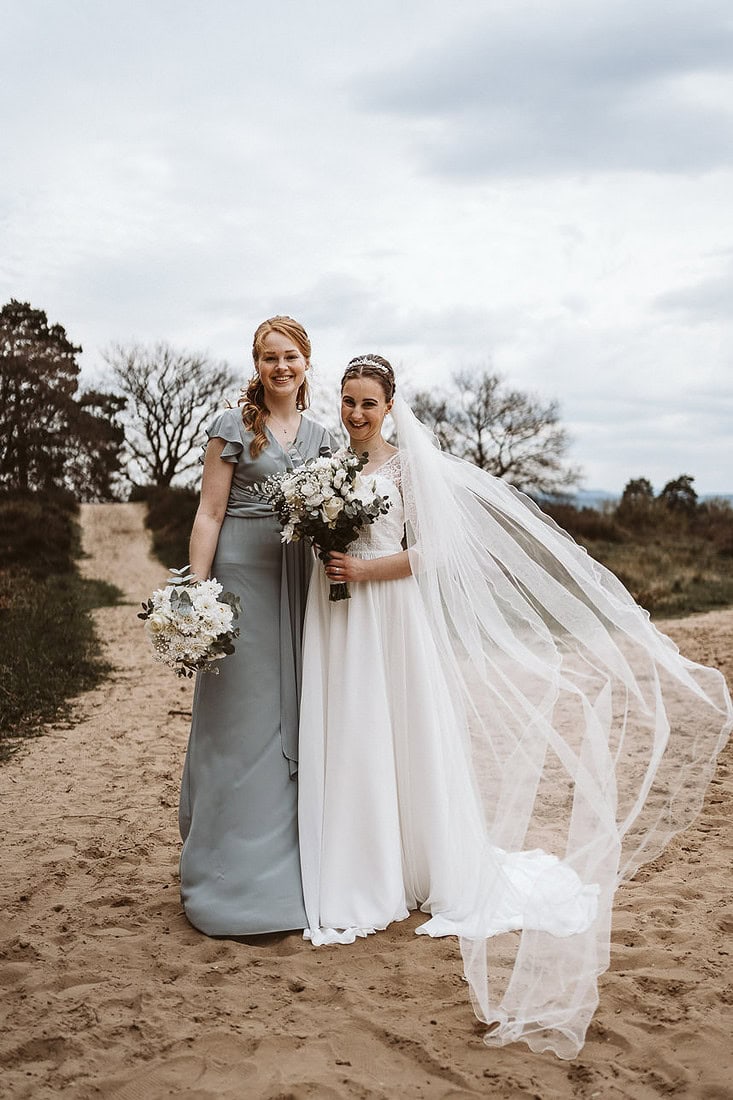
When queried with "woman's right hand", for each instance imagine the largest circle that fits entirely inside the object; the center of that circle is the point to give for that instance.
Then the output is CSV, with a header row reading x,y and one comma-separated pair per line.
x,y
343,567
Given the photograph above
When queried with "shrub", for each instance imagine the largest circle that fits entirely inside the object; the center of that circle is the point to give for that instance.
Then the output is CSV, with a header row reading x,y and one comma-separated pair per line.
x,y
38,533
585,523
170,518
48,650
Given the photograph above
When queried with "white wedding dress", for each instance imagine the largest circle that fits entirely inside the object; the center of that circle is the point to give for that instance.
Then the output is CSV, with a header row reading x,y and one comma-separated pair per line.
x,y
499,739
389,820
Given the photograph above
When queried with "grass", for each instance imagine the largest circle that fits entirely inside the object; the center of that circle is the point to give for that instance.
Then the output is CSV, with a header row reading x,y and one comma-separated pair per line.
x,y
48,648
670,577
672,564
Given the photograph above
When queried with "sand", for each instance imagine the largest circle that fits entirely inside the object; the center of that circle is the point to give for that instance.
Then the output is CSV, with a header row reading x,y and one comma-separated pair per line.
x,y
107,991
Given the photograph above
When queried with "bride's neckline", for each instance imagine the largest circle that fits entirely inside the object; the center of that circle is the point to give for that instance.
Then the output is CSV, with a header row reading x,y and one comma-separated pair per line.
x,y
376,469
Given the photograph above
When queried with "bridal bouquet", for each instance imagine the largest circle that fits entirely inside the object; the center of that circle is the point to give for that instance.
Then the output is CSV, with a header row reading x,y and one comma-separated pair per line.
x,y
326,500
190,623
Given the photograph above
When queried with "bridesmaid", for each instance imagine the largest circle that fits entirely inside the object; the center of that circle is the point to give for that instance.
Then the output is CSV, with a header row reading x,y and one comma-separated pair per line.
x,y
240,872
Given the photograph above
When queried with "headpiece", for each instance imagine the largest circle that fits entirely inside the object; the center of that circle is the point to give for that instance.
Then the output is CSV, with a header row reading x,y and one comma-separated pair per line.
x,y
367,361
373,362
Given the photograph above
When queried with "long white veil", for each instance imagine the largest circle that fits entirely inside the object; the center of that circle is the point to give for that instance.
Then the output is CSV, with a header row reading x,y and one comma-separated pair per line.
x,y
589,735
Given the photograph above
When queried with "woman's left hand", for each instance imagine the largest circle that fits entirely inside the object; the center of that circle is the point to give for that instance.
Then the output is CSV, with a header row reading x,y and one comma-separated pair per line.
x,y
342,567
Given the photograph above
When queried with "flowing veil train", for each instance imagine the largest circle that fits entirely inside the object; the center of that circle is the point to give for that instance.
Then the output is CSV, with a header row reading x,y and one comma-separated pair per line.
x,y
589,736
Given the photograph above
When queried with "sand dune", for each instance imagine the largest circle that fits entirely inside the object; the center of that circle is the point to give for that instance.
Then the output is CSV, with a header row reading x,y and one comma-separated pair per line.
x,y
108,992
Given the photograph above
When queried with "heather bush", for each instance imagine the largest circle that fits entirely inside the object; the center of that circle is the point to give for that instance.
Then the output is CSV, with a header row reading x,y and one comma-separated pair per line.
x,y
170,518
674,560
38,533
48,651
586,523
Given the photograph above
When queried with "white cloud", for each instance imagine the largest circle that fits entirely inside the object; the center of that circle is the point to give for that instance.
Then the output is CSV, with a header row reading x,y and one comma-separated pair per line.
x,y
706,301
570,87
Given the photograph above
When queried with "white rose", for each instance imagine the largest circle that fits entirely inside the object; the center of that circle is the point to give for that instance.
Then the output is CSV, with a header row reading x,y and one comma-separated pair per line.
x,y
332,507
157,623
364,491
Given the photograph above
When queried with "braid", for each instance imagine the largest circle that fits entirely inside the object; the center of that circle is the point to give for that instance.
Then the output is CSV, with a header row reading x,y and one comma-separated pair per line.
x,y
254,414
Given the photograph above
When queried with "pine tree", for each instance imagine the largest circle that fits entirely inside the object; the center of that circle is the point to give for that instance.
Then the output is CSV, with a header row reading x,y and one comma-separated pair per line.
x,y
49,438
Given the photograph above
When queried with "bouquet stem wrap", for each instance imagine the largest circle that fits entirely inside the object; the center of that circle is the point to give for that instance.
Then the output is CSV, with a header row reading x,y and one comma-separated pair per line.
x,y
339,590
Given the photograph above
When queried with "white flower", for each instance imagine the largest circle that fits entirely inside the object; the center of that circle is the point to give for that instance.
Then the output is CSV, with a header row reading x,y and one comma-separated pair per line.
x,y
157,623
364,491
331,508
185,622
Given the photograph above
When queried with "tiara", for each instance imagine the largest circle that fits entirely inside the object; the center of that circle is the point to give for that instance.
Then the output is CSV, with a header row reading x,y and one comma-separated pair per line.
x,y
365,361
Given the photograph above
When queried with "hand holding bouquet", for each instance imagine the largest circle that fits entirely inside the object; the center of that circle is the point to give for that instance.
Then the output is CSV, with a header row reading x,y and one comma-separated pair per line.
x,y
328,501
190,623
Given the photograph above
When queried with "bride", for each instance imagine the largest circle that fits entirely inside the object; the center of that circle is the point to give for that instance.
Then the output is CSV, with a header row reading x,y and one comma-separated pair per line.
x,y
492,731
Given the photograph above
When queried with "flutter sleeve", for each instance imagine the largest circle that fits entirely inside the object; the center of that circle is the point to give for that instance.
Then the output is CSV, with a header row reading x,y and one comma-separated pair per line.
x,y
227,425
326,443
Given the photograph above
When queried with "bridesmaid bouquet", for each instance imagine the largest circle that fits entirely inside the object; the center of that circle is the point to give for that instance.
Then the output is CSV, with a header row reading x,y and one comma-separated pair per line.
x,y
190,623
325,500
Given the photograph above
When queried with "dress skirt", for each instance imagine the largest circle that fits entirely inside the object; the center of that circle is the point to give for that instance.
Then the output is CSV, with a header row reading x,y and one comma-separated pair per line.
x,y
390,820
240,872
385,824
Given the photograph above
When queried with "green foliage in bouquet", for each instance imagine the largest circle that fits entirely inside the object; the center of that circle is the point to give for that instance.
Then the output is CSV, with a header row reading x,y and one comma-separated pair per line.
x,y
325,500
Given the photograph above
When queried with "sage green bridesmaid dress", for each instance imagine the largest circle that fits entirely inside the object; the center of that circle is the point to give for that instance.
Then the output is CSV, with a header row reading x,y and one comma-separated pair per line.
x,y
240,868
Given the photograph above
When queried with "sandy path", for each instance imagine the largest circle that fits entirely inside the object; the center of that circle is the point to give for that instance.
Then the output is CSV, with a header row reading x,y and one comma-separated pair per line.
x,y
108,992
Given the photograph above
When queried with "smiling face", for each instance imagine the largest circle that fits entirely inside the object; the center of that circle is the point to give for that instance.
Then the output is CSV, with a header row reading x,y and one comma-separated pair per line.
x,y
281,366
364,406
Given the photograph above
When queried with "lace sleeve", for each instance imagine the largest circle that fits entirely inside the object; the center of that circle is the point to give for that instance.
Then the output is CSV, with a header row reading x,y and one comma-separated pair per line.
x,y
392,469
397,472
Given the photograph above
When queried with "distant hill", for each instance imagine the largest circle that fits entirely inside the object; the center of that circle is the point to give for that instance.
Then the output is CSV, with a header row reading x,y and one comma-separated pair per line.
x,y
596,498
593,498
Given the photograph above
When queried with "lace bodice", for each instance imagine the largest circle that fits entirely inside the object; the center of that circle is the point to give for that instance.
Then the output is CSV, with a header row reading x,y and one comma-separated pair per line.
x,y
385,535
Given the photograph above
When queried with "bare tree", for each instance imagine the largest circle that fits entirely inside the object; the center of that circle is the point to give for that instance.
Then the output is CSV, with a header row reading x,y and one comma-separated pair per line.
x,y
171,396
513,435
437,412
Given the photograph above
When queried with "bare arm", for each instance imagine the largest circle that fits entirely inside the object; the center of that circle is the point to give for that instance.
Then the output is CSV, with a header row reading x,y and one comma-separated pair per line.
x,y
215,486
343,567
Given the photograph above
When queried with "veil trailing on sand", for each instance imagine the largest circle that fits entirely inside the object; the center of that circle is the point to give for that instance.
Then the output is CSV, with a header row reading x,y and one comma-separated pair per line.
x,y
588,734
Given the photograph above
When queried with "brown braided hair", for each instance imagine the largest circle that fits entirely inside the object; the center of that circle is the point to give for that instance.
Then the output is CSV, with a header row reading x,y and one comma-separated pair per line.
x,y
372,366
254,406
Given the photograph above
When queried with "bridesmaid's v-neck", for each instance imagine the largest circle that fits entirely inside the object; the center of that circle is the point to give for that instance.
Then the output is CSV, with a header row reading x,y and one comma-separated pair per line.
x,y
285,450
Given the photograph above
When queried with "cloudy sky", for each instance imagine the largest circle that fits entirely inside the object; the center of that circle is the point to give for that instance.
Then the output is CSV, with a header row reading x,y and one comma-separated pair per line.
x,y
539,187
